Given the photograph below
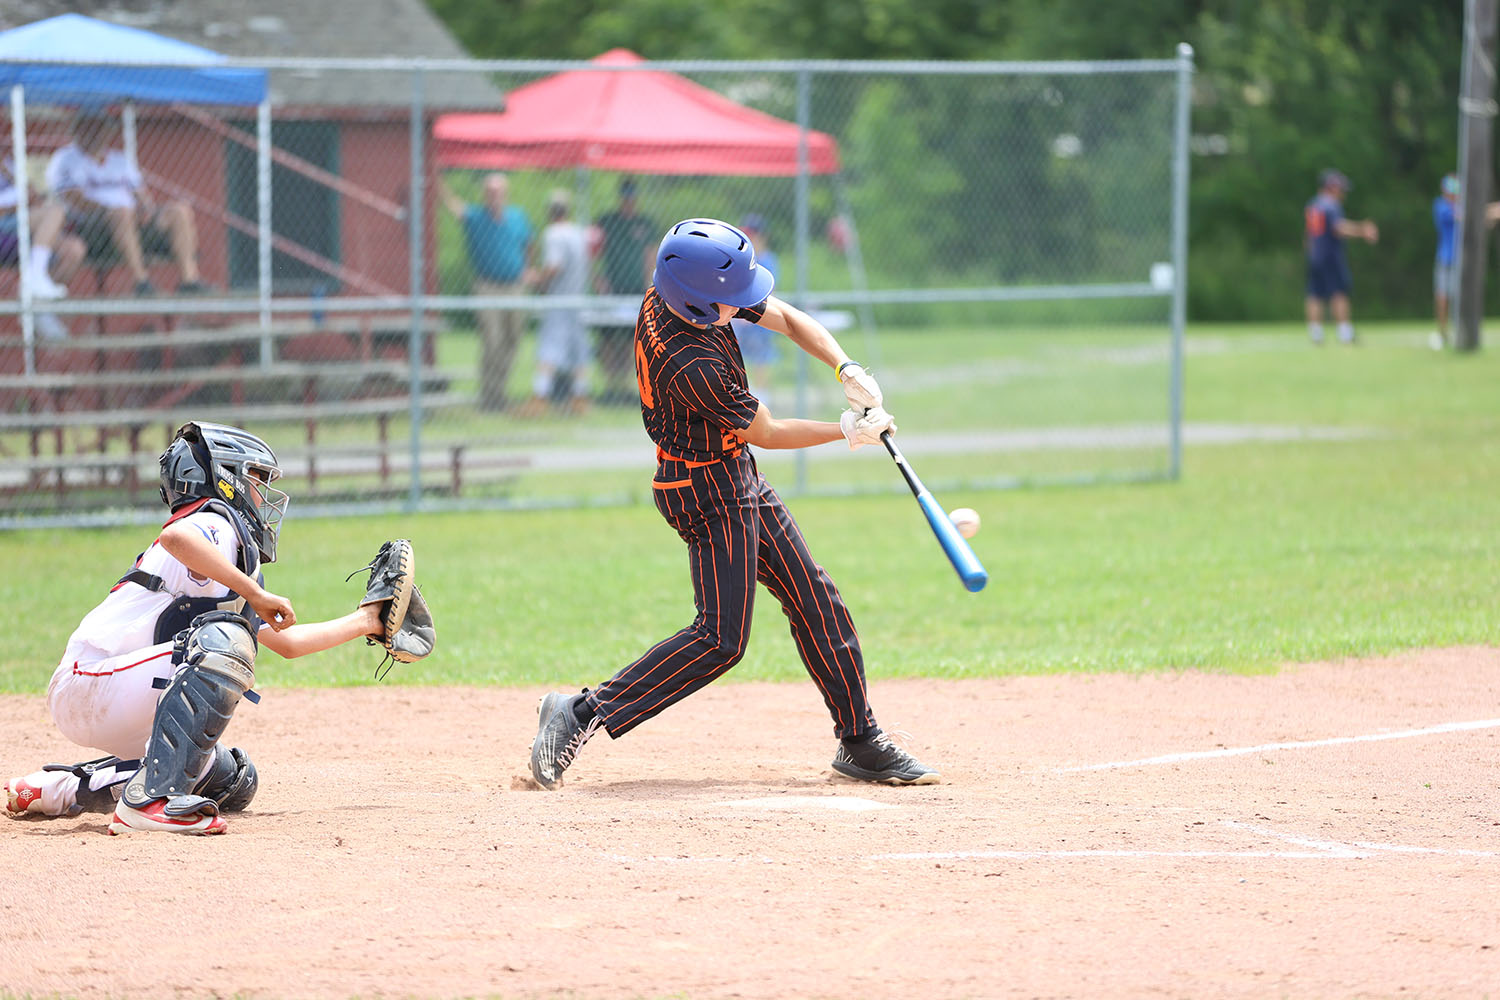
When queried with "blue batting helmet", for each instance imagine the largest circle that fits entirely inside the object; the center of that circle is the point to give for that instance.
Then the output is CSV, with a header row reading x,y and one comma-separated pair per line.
x,y
704,261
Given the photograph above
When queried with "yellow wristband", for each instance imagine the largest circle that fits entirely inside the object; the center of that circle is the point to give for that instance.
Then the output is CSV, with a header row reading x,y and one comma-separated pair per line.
x,y
839,373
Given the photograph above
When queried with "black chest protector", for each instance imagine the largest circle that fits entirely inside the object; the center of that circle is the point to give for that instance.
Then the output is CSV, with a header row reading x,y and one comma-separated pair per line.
x,y
180,613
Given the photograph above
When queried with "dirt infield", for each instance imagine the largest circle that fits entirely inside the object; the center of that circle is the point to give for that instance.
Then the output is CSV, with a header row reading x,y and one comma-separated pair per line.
x,y
1331,831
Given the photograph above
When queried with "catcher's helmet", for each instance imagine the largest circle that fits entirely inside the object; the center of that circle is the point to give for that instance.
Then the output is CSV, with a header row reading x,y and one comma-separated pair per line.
x,y
215,461
704,261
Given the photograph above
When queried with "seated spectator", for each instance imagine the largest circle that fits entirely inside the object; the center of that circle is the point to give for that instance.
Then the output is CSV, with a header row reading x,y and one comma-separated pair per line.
x,y
54,257
109,207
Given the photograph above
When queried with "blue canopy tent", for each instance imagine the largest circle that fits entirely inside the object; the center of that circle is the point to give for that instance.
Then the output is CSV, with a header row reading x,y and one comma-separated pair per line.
x,y
76,60
141,66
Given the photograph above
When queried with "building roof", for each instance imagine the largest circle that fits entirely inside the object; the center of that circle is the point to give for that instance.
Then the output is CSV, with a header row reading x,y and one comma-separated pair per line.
x,y
251,29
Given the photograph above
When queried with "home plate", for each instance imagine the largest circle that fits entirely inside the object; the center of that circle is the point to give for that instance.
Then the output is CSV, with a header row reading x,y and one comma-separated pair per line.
x,y
798,803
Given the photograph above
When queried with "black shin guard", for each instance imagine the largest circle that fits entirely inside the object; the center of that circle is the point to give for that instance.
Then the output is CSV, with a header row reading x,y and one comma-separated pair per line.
x,y
231,780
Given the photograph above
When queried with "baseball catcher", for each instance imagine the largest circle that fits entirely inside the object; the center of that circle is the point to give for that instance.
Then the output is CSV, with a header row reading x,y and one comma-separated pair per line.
x,y
154,674
408,634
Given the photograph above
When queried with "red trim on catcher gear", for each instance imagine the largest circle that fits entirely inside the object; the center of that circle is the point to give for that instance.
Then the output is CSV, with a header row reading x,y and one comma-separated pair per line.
x,y
187,510
108,673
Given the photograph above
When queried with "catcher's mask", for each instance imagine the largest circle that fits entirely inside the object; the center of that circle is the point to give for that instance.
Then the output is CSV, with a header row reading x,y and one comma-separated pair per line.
x,y
215,461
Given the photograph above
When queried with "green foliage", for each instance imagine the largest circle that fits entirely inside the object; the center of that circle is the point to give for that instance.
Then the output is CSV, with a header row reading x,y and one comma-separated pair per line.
x,y
1299,86
1291,86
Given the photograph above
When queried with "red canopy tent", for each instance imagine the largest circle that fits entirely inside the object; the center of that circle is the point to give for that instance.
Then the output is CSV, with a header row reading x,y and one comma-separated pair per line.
x,y
641,121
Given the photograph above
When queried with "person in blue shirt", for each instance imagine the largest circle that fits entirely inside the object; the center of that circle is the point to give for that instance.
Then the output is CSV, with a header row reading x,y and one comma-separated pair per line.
x,y
498,237
1445,218
758,344
1324,232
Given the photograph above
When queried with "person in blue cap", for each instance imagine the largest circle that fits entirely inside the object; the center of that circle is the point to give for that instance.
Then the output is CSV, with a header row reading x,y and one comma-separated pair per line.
x,y
1444,279
1328,281
1445,209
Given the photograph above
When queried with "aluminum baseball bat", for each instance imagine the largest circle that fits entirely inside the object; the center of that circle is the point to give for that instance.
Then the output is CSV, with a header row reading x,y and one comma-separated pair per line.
x,y
955,546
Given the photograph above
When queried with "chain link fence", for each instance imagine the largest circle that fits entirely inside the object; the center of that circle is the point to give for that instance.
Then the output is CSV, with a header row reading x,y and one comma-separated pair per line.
x,y
418,281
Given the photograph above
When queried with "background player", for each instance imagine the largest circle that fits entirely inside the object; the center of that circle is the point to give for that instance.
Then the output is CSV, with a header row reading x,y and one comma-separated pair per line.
x,y
124,686
697,409
1328,279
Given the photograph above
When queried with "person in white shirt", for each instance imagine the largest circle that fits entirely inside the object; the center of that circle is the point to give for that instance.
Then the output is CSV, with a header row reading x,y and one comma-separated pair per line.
x,y
153,674
54,256
110,207
562,338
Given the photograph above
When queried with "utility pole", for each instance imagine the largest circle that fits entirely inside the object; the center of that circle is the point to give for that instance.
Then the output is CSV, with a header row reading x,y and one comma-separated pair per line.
x,y
1476,107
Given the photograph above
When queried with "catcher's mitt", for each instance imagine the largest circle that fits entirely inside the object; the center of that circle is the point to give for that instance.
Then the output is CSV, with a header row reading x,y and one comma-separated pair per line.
x,y
409,634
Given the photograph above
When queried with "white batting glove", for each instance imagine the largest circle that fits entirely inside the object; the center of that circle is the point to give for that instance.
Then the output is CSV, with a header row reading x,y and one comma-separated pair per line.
x,y
860,387
865,428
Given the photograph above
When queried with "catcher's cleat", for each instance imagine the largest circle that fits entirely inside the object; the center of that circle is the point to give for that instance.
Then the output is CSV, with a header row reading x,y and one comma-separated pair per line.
x,y
22,797
880,760
154,817
559,737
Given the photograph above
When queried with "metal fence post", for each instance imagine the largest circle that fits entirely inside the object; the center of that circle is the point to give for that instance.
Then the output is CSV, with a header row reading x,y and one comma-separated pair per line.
x,y
414,236
263,225
804,114
23,223
1179,246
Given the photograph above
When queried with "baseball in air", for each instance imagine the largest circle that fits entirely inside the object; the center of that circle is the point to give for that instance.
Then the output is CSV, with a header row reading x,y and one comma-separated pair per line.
x,y
966,520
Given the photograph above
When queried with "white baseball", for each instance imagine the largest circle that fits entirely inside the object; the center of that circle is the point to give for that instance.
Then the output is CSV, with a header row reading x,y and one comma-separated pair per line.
x,y
966,520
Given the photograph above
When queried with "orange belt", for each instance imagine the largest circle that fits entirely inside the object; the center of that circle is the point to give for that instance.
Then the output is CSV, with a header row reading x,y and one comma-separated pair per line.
x,y
664,456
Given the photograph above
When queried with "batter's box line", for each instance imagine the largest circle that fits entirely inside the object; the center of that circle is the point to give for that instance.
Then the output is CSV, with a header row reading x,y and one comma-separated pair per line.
x,y
1177,758
1357,848
1303,849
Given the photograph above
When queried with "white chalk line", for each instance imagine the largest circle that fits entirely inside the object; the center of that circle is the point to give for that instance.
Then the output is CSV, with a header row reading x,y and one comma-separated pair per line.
x,y
800,803
1311,850
1352,849
1176,758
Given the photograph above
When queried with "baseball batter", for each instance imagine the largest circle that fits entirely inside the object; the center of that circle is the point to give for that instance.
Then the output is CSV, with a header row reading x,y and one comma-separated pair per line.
x,y
156,670
698,410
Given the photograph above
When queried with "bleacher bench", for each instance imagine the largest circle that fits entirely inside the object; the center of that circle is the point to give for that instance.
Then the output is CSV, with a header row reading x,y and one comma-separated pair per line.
x,y
118,386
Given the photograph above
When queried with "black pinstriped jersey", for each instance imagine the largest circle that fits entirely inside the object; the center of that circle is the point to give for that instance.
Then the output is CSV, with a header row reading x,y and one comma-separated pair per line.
x,y
694,392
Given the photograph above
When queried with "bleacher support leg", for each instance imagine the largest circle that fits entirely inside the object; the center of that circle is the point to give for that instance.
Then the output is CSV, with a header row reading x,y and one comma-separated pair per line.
x,y
381,422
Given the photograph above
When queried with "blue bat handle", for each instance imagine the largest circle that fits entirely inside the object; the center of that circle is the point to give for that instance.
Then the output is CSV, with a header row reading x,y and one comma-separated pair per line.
x,y
959,554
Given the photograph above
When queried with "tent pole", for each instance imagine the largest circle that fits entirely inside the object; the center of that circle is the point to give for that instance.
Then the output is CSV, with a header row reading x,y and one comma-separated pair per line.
x,y
127,131
23,222
582,212
856,259
263,224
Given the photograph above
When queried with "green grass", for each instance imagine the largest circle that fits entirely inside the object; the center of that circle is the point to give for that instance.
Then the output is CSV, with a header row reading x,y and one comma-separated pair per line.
x,y
1260,554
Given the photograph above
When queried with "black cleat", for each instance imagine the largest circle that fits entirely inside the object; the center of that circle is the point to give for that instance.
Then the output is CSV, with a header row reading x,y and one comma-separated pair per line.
x,y
559,737
880,760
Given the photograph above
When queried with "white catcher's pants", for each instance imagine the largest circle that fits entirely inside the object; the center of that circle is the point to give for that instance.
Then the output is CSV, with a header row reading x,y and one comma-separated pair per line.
x,y
110,704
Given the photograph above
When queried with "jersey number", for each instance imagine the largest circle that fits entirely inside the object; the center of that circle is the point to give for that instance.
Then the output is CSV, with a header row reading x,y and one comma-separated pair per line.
x,y
640,375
